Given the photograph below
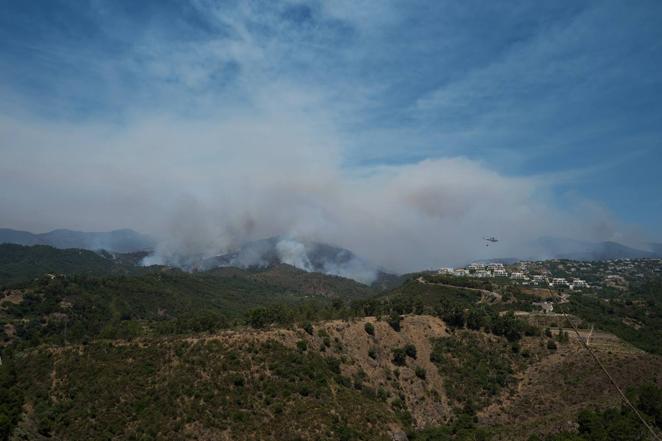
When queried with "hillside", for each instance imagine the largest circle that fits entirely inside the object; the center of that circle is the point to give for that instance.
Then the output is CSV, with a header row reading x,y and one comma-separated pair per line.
x,y
23,263
281,353
335,380
164,300
305,255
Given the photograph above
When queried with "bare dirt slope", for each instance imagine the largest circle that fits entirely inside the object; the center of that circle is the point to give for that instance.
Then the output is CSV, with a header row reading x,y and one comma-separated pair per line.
x,y
425,399
554,388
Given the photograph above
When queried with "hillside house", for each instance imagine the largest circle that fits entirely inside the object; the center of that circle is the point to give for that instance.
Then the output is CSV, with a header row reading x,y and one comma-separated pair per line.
x,y
545,307
559,282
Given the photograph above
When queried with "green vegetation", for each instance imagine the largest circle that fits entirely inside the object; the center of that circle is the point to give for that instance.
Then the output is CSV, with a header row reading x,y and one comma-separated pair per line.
x,y
476,367
11,397
162,301
466,282
107,332
410,351
20,264
618,424
394,321
399,357
463,428
173,389
634,315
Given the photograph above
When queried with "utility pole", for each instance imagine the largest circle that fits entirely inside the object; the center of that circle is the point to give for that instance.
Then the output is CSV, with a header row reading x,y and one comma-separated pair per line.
x,y
588,338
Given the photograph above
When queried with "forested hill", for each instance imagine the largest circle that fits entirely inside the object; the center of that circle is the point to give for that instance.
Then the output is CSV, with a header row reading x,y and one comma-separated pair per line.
x,y
51,295
23,263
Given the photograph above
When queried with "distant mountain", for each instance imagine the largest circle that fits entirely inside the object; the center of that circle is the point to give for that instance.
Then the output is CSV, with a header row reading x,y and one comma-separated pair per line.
x,y
305,255
117,241
563,248
656,248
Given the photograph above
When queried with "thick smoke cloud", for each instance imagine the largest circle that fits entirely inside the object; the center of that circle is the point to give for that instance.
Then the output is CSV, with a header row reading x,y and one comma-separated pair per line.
x,y
278,148
205,188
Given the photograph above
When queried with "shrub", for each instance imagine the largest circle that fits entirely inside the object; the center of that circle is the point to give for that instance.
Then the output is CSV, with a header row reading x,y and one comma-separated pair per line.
x,y
382,394
372,353
308,327
399,357
454,318
333,364
369,328
563,336
302,346
410,351
551,345
420,372
394,321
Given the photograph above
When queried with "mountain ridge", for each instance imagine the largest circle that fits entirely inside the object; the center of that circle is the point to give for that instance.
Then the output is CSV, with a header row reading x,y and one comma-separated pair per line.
x,y
118,241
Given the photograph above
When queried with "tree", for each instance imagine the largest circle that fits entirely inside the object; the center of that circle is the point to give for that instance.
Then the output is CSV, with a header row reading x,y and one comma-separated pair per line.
x,y
650,402
410,351
454,318
394,321
399,357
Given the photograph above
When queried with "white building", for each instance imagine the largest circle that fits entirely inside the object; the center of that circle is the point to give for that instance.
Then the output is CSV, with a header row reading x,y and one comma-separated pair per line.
x,y
559,281
547,307
518,276
445,270
476,266
495,266
579,284
460,272
482,274
500,273
538,279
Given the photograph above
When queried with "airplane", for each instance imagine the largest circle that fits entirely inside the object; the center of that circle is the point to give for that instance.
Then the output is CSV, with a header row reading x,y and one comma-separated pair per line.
x,y
491,239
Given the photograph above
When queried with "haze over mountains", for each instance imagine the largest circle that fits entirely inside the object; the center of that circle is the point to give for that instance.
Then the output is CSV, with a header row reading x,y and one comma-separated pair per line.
x,y
306,255
564,248
117,241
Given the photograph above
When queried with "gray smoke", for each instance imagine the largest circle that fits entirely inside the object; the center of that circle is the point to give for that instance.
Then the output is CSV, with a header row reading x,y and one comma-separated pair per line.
x,y
305,255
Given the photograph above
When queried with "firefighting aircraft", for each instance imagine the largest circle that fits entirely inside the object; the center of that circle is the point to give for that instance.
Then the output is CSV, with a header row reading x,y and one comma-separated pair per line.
x,y
490,239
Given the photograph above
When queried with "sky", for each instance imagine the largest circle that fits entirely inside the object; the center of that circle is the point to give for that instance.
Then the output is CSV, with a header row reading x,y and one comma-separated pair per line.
x,y
403,130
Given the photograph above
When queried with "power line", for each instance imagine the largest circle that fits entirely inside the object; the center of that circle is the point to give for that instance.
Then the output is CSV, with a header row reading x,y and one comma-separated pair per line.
x,y
611,379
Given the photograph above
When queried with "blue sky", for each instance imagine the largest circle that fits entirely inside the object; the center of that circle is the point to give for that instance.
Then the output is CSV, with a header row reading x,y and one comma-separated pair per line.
x,y
565,94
